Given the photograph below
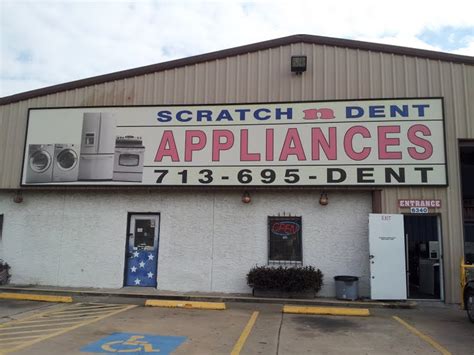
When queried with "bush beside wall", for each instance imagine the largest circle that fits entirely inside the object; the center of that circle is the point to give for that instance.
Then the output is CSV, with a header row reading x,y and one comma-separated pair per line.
x,y
286,279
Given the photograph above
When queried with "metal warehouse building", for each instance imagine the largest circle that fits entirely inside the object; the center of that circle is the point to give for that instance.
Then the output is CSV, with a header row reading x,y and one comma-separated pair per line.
x,y
185,174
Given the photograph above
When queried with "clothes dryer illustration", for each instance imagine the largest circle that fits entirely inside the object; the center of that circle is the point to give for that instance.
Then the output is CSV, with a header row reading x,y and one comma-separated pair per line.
x,y
66,162
40,163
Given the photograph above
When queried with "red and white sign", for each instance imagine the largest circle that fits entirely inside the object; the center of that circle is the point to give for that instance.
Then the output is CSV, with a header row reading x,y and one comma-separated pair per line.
x,y
337,143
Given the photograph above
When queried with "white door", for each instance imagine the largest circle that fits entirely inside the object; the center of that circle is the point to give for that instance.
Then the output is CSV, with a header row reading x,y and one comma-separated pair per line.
x,y
387,257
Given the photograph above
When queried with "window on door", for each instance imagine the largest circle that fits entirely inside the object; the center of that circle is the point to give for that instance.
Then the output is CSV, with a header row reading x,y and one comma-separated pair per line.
x,y
144,232
285,240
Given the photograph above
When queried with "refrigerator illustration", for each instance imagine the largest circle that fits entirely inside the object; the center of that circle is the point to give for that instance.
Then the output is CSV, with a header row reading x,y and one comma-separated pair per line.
x,y
97,146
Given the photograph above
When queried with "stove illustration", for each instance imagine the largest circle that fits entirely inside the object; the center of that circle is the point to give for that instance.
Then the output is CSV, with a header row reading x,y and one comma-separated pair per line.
x,y
128,161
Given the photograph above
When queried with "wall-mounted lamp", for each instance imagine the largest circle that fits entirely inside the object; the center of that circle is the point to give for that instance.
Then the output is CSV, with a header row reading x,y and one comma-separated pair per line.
x,y
323,199
18,198
246,197
298,64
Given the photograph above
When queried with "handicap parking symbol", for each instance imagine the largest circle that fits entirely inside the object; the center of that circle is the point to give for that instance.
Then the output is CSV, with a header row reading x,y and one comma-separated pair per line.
x,y
133,343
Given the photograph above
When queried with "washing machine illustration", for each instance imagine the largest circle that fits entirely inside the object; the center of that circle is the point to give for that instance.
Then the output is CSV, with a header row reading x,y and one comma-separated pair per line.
x,y
40,163
66,162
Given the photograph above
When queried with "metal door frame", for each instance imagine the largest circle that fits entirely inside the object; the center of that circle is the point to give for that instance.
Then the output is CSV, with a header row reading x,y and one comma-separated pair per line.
x,y
441,256
127,231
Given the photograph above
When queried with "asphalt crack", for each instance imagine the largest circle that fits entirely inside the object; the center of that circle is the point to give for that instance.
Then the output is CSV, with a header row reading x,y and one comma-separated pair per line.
x,y
279,333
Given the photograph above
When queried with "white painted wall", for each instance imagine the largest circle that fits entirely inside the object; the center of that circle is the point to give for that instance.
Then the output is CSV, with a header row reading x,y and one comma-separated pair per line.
x,y
208,241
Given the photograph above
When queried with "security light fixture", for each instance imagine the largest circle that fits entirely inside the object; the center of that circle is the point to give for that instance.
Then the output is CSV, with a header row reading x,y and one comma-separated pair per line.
x,y
246,197
298,64
18,197
323,199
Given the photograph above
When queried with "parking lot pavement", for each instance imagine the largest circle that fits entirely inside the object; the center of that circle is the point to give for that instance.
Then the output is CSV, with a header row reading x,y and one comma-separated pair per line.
x,y
446,324
12,309
27,331
302,334
205,332
248,328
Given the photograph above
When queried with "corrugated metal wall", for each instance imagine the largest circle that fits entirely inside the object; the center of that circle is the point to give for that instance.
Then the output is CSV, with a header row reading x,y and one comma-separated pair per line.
x,y
263,76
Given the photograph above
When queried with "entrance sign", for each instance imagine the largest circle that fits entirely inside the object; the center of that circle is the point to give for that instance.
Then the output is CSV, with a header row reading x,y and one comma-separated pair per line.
x,y
387,257
419,203
132,343
419,206
335,143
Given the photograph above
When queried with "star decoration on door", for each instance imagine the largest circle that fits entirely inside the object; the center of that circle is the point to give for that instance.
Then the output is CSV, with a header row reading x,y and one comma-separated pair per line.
x,y
141,268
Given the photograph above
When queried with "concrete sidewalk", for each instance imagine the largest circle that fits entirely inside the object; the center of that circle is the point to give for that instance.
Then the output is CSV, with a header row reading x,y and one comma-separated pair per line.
x,y
140,294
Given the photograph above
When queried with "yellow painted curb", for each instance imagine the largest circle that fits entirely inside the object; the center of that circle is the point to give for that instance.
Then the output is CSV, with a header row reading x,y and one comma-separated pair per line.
x,y
185,304
332,311
31,297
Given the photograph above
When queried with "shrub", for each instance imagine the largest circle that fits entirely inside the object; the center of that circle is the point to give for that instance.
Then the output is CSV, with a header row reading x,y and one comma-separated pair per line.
x,y
4,272
288,279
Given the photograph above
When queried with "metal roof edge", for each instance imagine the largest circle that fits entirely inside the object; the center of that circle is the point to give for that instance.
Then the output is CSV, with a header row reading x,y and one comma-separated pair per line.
x,y
299,38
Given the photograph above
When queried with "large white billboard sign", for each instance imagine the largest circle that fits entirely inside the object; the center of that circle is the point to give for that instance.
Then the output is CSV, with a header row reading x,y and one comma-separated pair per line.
x,y
339,143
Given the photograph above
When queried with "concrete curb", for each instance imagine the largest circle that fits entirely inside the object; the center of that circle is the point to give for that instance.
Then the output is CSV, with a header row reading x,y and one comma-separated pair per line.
x,y
212,298
219,306
329,311
35,297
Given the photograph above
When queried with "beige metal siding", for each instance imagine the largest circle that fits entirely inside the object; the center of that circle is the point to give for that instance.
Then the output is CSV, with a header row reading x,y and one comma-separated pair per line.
x,y
333,73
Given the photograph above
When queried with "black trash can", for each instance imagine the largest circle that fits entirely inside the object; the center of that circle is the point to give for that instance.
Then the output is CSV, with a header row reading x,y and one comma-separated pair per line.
x,y
347,287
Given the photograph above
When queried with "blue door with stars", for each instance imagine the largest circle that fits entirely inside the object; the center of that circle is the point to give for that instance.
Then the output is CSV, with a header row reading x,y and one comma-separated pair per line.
x,y
142,250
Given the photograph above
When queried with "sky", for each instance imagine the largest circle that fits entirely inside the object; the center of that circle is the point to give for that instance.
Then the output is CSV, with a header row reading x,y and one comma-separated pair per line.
x,y
45,43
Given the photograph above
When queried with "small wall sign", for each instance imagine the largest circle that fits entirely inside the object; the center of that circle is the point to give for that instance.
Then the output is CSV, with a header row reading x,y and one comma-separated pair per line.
x,y
405,203
418,209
